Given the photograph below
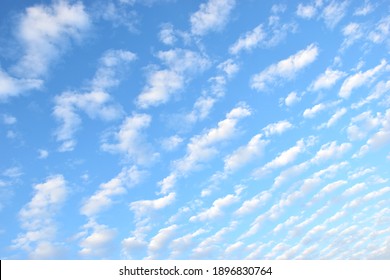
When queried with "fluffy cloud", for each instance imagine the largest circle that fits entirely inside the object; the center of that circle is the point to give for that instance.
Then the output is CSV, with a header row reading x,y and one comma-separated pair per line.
x,y
284,158
160,241
211,16
306,11
118,14
9,119
254,203
285,69
379,90
179,245
311,112
112,63
254,149
44,31
331,151
334,12
95,104
291,99
216,210
335,117
229,66
362,124
379,139
143,207
38,219
248,41
171,143
277,128
208,248
11,87
352,32
364,9
361,78
207,100
202,147
102,198
167,34
162,84
96,240
130,141
381,31
327,79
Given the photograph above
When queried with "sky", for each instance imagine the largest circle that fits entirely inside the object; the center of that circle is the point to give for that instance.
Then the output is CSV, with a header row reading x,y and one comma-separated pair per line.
x,y
212,129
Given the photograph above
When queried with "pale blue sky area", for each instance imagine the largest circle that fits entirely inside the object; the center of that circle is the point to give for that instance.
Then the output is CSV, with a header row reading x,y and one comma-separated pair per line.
x,y
213,129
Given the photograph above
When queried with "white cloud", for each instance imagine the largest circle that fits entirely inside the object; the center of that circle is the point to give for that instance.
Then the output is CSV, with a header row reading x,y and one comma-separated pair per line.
x,y
229,67
12,87
244,154
354,189
336,116
362,124
352,32
254,203
162,84
291,99
312,112
277,128
102,198
118,15
381,31
211,16
38,219
44,31
360,172
42,153
285,69
331,151
306,11
167,34
207,249
326,190
130,141
201,147
364,10
95,104
160,241
9,119
361,78
183,243
12,172
334,12
290,221
234,247
143,207
97,240
248,41
204,104
379,139
379,90
327,79
284,158
109,69
217,208
171,143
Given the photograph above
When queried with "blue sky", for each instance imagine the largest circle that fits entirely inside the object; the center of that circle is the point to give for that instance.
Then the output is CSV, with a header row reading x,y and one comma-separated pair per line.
x,y
213,129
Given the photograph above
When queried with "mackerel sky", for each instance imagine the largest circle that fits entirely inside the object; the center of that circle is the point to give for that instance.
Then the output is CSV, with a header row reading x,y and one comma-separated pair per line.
x,y
210,129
